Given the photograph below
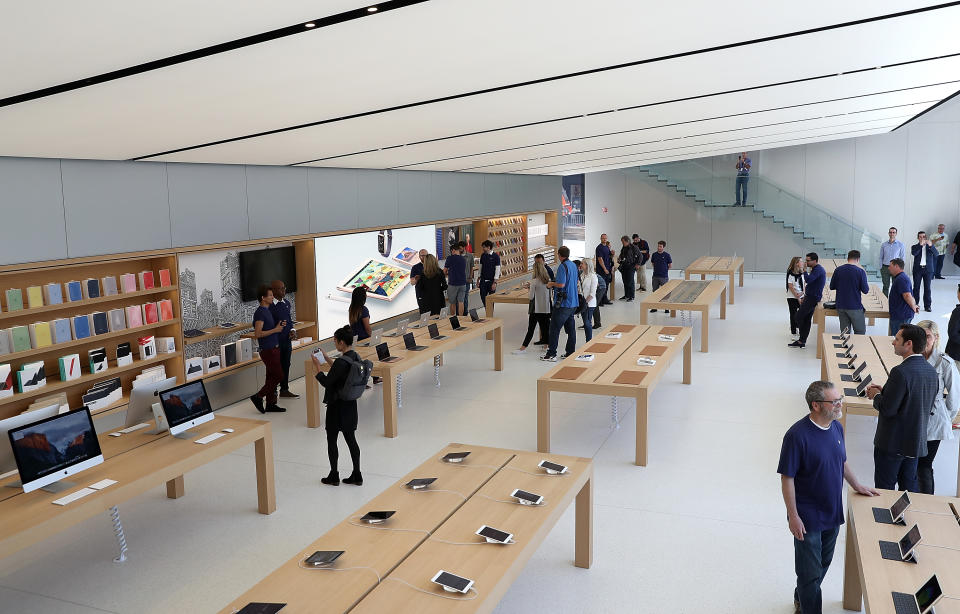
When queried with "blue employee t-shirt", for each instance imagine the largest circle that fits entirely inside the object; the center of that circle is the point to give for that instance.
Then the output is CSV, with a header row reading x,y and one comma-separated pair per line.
x,y
488,265
814,458
415,271
456,266
661,264
281,311
603,253
814,282
850,281
567,275
359,330
262,314
899,309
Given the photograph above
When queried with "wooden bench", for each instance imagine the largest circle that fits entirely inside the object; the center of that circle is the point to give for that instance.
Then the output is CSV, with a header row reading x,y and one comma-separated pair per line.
x,y
716,265
614,371
706,294
392,372
381,561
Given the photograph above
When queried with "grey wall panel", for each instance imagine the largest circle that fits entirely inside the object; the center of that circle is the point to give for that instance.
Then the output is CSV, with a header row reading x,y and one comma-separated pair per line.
x,y
377,198
333,199
881,182
521,194
114,207
32,203
277,201
550,189
494,192
414,196
456,195
647,212
208,203
828,182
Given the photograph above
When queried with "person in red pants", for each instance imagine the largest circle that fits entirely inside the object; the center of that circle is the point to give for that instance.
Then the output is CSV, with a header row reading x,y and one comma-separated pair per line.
x,y
266,331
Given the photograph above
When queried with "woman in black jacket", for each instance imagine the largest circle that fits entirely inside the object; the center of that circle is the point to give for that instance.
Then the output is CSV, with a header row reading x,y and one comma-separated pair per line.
x,y
953,331
341,414
434,285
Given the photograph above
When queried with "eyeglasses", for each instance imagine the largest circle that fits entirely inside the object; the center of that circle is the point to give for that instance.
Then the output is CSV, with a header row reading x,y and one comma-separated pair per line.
x,y
835,402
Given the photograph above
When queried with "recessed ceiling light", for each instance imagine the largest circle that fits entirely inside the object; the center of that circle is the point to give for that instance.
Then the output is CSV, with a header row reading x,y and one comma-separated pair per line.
x,y
372,9
310,24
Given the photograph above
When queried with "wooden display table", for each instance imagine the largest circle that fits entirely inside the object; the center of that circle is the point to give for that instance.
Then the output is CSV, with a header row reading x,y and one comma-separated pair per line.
x,y
688,296
392,372
830,265
407,547
713,265
614,372
874,305
138,462
513,296
866,574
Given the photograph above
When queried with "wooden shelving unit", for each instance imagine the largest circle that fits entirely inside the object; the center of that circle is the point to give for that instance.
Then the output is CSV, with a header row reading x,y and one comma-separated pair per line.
x,y
509,238
57,272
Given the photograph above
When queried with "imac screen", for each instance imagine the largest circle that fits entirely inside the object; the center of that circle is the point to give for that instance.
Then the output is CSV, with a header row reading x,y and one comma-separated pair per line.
x,y
51,445
184,403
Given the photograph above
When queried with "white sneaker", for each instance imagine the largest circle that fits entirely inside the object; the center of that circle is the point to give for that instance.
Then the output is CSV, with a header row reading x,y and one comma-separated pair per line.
x,y
549,358
518,352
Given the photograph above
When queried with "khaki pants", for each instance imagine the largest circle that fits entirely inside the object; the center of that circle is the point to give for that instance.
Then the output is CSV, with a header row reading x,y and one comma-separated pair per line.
x,y
642,277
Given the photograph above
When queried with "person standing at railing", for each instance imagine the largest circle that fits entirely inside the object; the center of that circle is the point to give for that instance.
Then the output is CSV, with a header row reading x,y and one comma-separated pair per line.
x,y
939,241
743,176
924,260
888,251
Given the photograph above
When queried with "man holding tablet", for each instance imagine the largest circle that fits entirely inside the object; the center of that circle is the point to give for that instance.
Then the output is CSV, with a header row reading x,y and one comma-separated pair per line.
x,y
813,466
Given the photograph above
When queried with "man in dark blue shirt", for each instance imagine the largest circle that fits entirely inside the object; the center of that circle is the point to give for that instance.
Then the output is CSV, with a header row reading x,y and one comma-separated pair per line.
x,y
265,331
281,311
662,263
546,266
901,302
813,283
489,271
416,273
813,466
924,262
455,266
604,260
850,281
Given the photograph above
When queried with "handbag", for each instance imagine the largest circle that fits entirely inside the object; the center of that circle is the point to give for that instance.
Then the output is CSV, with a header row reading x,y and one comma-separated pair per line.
x,y
532,308
581,306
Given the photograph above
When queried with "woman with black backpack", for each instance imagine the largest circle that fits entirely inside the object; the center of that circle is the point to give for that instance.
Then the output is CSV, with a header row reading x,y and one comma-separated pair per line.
x,y
341,414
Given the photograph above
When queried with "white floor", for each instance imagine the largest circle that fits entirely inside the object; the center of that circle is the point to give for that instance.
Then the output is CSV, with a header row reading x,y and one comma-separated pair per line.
x,y
701,529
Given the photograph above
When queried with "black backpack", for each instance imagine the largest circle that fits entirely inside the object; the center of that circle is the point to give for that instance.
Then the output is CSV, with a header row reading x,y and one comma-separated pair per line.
x,y
357,378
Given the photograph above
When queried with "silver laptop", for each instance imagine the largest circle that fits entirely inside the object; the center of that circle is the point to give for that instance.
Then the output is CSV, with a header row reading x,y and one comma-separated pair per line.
x,y
400,329
423,320
375,337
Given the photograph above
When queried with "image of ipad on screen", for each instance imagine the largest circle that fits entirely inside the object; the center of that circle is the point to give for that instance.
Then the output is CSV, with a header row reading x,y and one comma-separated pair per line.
x,y
384,281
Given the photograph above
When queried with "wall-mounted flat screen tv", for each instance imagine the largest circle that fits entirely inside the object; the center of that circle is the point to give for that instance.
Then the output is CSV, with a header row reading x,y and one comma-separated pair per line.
x,y
262,266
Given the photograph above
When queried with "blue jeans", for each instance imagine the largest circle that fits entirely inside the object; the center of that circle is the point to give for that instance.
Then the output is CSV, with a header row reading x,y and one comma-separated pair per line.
x,y
893,470
895,326
484,285
629,283
741,186
562,317
812,558
939,266
588,323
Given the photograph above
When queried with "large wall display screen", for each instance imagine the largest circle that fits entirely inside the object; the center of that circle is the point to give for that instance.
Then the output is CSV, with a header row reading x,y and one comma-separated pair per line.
x,y
379,260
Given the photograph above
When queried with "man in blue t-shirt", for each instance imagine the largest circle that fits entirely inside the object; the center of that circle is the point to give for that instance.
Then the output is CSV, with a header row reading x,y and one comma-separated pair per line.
x,y
565,303
743,176
416,274
662,263
604,267
901,302
265,331
813,282
489,271
813,466
281,309
455,266
850,281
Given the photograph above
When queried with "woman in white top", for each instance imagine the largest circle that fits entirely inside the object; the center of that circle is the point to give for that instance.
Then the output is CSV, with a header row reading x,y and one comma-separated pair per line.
x,y
539,306
588,287
940,422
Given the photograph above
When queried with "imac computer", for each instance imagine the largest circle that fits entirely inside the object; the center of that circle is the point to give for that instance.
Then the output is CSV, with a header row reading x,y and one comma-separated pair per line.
x,y
8,465
142,398
54,448
184,407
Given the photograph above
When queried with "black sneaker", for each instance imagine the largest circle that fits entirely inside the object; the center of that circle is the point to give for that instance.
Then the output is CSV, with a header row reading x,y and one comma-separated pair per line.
x,y
653,311
629,300
274,408
356,479
622,298
333,479
541,343
567,355
795,344
596,326
927,309
258,403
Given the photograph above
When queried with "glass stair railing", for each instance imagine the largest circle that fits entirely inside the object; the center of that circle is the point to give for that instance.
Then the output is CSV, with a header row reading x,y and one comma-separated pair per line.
x,y
826,230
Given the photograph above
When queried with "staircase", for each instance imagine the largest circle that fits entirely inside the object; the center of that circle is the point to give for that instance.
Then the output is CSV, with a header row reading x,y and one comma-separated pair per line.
x,y
834,235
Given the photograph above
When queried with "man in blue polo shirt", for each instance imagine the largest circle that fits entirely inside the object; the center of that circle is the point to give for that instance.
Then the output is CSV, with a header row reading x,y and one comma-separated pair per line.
x,y
282,312
604,260
455,266
565,303
662,263
813,282
901,301
850,281
813,466
489,271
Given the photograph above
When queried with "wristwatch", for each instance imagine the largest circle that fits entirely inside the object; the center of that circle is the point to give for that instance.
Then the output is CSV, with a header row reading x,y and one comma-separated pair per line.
x,y
385,242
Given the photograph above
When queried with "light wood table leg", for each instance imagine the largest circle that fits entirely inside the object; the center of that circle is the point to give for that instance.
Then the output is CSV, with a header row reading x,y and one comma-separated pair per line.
x,y
871,320
732,286
823,369
704,329
641,444
819,321
852,589
498,348
673,313
543,418
741,276
266,488
687,360
723,305
389,404
703,276
314,417
488,312
686,275
175,488
583,549
643,314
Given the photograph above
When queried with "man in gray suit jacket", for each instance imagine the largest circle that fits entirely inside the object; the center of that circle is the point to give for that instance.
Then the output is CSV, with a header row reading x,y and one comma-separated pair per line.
x,y
904,404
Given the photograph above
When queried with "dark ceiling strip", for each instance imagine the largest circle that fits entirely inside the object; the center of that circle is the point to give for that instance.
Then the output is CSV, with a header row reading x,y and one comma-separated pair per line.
x,y
299,28
634,107
560,77
646,159
927,110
